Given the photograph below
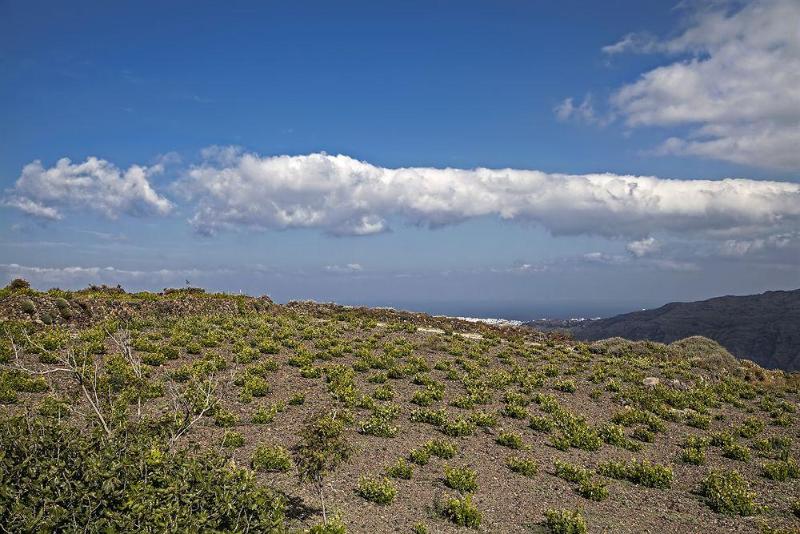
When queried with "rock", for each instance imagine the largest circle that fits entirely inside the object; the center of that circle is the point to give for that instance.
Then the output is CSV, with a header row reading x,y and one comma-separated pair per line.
x,y
650,382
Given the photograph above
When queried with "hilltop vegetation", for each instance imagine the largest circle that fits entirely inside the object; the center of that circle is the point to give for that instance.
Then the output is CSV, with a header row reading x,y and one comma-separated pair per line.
x,y
187,411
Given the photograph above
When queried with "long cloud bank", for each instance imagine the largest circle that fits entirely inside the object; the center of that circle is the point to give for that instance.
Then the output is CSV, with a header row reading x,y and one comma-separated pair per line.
x,y
345,196
337,194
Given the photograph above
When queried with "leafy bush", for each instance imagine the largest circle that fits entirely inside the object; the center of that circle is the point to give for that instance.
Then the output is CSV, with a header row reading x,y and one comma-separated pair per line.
x,y
541,423
735,451
462,479
483,419
462,512
693,455
728,492
523,466
271,458
377,490
458,428
509,439
642,472
780,470
565,521
571,472
232,439
594,490
441,449
133,482
420,456
432,417
401,469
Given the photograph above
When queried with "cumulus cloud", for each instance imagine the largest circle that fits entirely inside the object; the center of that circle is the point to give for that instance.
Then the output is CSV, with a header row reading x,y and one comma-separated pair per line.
x,y
735,82
583,112
643,247
345,196
95,185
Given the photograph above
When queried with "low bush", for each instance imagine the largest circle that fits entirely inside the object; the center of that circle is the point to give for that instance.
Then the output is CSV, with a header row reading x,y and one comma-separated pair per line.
x,y
509,439
377,490
523,466
271,458
728,492
565,521
461,479
462,512
595,490
642,472
400,469
571,472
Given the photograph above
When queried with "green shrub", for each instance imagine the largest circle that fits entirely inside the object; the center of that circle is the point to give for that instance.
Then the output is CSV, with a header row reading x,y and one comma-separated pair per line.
x,y
796,507
515,411
271,458
571,472
139,482
27,306
384,392
462,479
693,455
698,420
728,492
509,439
266,414
297,399
420,528
567,386
565,521
594,490
642,472
441,449
420,456
232,439
432,417
541,423
523,466
483,419
735,451
751,427
225,418
377,490
780,470
458,428
400,469
614,434
643,434
462,512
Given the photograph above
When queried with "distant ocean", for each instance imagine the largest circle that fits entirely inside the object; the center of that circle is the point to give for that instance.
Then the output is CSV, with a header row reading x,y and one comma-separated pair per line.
x,y
507,310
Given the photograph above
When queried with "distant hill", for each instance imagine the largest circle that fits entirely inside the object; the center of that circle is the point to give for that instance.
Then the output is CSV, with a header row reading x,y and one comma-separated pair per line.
x,y
764,328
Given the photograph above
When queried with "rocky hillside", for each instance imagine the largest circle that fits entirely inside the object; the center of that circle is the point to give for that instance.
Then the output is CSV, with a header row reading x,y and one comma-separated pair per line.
x,y
190,412
764,328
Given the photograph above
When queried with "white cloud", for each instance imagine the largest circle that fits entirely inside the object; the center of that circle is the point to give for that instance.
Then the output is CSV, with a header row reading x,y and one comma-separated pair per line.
x,y
344,269
735,83
643,247
94,185
344,196
584,112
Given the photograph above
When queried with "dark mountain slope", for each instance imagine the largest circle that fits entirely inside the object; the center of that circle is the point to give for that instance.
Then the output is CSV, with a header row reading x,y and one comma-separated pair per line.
x,y
764,328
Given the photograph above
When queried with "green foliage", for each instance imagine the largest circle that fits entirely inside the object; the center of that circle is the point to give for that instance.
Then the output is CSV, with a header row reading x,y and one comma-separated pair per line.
x,y
323,446
641,472
462,479
541,423
441,449
377,490
232,439
523,466
458,428
693,455
462,512
125,484
427,415
401,469
780,470
509,439
735,451
271,458
565,521
420,456
728,492
266,414
595,490
571,473
483,419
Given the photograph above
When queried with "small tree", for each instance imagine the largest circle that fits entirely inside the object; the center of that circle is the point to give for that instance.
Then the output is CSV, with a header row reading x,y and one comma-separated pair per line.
x,y
322,448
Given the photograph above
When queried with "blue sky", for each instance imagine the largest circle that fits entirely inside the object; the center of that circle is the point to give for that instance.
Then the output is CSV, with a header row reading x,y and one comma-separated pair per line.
x,y
426,86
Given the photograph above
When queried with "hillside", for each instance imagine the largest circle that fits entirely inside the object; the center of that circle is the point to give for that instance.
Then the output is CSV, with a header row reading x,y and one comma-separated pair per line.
x,y
764,328
186,411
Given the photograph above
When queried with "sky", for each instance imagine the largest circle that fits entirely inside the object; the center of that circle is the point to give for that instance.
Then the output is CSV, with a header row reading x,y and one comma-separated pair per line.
x,y
508,159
